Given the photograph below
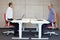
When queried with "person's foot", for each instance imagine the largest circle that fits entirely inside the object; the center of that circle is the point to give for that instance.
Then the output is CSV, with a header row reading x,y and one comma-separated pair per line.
x,y
36,35
15,34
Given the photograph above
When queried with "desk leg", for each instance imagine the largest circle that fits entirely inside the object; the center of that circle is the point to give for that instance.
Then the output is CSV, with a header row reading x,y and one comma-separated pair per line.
x,y
39,32
20,33
20,30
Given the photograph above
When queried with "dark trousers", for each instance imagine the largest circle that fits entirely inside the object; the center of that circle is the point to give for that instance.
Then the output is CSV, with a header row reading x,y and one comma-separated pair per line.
x,y
16,26
44,27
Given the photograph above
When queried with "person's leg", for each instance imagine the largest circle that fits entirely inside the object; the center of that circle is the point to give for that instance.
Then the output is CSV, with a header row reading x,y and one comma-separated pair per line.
x,y
50,24
16,28
44,27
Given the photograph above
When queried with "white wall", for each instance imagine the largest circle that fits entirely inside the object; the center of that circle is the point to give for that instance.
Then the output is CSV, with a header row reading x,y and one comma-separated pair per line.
x,y
3,6
31,8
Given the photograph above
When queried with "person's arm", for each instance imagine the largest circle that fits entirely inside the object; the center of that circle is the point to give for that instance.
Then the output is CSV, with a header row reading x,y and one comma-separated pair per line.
x,y
54,15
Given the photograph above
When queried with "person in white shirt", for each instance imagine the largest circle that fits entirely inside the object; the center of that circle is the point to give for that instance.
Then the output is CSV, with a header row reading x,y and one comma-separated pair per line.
x,y
9,12
9,16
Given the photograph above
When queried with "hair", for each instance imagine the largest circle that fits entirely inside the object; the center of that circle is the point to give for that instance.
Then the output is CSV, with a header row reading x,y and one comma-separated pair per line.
x,y
10,4
51,4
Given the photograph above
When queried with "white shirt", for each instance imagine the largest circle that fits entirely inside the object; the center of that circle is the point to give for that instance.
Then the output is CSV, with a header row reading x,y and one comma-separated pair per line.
x,y
9,13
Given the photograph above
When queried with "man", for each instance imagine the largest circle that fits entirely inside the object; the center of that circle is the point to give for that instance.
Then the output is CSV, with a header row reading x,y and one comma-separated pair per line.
x,y
9,17
9,12
51,18
52,15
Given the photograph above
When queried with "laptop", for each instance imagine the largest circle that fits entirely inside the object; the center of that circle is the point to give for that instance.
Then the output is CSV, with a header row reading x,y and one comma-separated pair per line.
x,y
20,17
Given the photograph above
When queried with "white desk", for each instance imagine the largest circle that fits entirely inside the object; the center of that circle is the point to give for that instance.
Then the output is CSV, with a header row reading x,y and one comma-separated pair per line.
x,y
20,27
29,21
40,27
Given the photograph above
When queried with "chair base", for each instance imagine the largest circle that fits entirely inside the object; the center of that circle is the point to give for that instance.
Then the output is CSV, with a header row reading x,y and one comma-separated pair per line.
x,y
51,33
8,32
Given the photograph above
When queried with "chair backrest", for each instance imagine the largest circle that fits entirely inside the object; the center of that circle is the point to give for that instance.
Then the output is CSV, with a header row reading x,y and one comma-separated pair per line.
x,y
6,23
5,16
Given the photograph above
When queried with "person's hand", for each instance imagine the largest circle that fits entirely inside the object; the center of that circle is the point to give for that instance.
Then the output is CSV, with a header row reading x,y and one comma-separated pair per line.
x,y
55,20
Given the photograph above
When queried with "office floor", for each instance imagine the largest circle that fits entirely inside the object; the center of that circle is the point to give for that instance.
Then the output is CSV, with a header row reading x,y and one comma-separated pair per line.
x,y
27,34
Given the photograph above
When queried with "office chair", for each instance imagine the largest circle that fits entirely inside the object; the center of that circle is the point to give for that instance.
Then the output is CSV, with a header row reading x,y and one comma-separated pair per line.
x,y
7,24
51,27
